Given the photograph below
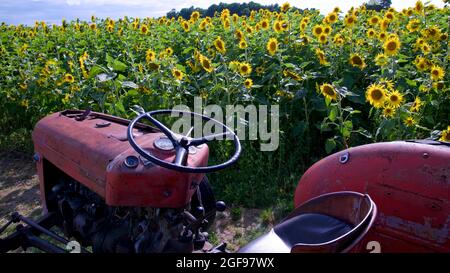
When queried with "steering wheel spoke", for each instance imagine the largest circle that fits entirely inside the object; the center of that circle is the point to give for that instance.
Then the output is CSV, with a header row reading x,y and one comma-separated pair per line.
x,y
202,140
161,127
181,155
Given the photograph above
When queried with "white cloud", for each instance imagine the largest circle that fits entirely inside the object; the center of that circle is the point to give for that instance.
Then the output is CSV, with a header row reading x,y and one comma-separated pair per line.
x,y
28,11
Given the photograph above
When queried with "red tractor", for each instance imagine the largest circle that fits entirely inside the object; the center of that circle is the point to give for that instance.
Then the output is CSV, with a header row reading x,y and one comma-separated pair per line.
x,y
127,186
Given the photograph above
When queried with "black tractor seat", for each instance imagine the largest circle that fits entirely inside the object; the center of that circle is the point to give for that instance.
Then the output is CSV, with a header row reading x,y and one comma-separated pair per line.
x,y
311,228
333,222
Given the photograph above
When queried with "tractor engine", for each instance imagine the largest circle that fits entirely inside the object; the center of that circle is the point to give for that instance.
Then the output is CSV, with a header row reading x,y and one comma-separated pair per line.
x,y
85,217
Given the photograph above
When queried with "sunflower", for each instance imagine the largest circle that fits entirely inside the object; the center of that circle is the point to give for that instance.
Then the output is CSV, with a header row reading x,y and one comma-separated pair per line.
x,y
381,59
292,75
415,107
203,25
242,44
409,121
285,7
376,95
245,69
226,24
445,135
150,55
317,30
177,74
413,25
357,61
394,99
206,63
328,91
144,29
371,33
220,45
419,6
332,17
374,20
248,83
321,55
323,38
93,26
69,78
264,24
303,26
425,48
272,46
391,46
259,70
389,84
277,26
432,33
169,51
421,63
388,111
195,15
239,34
389,16
350,20
438,85
185,26
382,35
327,30
437,73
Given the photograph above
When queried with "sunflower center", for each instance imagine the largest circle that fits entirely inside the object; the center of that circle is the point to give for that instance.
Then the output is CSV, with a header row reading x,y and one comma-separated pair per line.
x,y
318,31
244,68
328,90
392,45
206,64
272,46
357,60
435,72
376,94
394,98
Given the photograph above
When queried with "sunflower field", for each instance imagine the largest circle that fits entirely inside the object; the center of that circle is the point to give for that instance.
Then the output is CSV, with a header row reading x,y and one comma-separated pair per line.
x,y
340,79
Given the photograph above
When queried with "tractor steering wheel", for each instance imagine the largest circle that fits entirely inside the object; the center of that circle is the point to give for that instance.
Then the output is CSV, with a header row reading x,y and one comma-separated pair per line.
x,y
182,143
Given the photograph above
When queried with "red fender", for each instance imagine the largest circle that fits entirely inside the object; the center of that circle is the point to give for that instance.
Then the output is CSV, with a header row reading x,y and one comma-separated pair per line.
x,y
408,181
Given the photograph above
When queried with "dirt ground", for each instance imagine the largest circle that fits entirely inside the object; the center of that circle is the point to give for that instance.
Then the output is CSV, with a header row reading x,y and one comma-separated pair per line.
x,y
19,191
19,186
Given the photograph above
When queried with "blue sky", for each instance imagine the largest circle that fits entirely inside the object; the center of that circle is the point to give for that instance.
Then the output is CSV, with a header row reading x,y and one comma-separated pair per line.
x,y
53,11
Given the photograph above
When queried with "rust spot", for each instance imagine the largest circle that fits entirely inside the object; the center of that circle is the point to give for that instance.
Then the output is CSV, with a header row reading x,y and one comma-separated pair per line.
x,y
421,230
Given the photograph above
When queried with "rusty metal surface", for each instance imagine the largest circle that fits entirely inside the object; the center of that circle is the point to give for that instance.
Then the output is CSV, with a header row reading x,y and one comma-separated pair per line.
x,y
94,155
408,181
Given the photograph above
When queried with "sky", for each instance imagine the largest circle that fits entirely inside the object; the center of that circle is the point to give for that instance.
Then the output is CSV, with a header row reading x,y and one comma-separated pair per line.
x,y
53,11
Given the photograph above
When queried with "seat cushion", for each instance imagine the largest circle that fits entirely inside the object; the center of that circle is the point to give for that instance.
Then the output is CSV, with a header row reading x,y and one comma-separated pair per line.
x,y
311,228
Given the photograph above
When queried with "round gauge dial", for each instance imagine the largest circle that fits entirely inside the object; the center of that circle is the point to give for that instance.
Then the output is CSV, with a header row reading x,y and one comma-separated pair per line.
x,y
163,143
131,161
